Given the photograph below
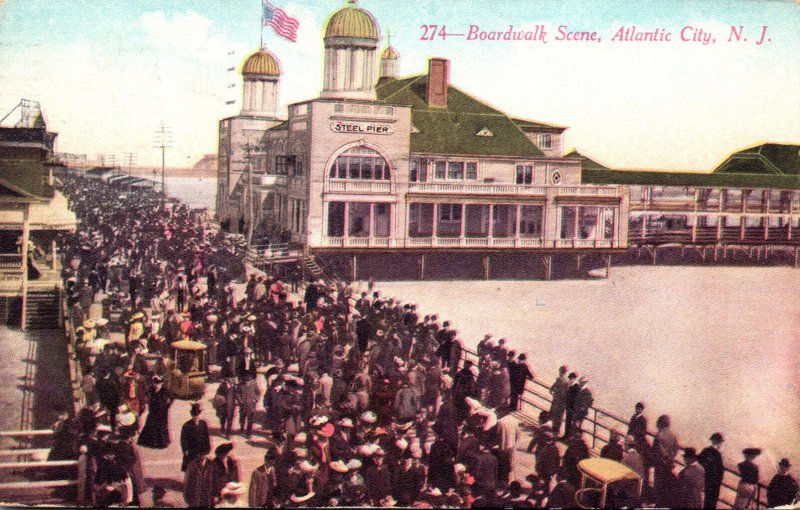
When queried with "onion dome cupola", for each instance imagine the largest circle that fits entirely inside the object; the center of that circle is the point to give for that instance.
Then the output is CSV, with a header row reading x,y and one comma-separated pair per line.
x,y
351,40
390,58
261,72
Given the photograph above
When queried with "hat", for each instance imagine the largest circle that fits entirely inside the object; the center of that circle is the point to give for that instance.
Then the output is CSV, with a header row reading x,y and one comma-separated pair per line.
x,y
388,501
102,321
689,453
402,444
369,417
354,464
472,403
402,425
318,420
572,375
157,379
233,488
211,318
294,367
379,452
785,463
308,467
196,409
300,453
379,431
339,466
300,438
716,436
752,452
345,422
366,450
326,430
223,449
138,315
302,498
474,370
251,317
126,419
435,491
88,324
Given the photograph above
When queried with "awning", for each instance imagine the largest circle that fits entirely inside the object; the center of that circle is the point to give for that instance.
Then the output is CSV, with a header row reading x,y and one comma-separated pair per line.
x,y
53,215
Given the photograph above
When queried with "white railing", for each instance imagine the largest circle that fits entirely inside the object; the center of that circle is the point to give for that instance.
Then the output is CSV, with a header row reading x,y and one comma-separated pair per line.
x,y
357,242
584,243
512,189
463,187
359,185
602,191
466,242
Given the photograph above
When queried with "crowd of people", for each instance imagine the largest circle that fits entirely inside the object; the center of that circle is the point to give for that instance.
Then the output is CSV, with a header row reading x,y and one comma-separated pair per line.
x,y
367,403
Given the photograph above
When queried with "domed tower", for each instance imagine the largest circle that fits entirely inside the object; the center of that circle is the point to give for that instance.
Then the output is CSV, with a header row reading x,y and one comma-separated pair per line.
x,y
261,72
351,39
389,60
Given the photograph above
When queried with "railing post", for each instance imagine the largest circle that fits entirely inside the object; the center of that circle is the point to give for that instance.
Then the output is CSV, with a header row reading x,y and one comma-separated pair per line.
x,y
81,496
594,431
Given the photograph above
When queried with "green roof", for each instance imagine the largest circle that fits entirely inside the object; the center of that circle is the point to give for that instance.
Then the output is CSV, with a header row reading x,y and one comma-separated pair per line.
x,y
526,124
454,129
586,163
773,166
766,159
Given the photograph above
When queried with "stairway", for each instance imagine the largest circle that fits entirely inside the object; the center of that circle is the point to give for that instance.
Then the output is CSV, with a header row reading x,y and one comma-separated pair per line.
x,y
310,263
43,309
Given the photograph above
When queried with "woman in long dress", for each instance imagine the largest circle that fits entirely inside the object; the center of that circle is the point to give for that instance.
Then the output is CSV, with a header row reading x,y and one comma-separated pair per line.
x,y
155,433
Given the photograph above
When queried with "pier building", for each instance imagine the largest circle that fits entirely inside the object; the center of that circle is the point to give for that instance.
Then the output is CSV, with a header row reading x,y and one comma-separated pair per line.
x,y
383,163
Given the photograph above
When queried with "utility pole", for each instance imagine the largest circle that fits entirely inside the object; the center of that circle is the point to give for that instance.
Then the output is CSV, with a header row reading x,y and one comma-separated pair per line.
x,y
250,210
163,141
111,160
130,159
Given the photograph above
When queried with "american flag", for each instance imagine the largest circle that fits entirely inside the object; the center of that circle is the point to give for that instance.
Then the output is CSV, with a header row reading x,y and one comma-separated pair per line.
x,y
283,24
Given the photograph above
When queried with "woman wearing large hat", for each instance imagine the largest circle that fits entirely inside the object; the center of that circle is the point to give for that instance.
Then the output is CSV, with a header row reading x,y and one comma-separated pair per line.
x,y
155,433
748,471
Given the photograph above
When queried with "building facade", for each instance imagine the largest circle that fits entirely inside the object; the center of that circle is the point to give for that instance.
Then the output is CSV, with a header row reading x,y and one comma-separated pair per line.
x,y
379,162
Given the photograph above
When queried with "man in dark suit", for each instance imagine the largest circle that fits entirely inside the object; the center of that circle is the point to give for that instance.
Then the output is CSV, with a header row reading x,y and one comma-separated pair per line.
x,y
195,441
711,460
572,394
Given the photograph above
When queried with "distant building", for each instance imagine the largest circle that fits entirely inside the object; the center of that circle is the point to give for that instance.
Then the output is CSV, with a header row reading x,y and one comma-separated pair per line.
x,y
32,213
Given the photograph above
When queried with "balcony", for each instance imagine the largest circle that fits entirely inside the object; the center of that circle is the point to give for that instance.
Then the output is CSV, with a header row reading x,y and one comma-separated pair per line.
x,y
475,188
359,186
466,242
588,191
513,189
357,242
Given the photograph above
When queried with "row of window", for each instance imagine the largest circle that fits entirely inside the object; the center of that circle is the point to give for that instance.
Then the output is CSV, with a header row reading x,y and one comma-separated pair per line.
x,y
367,164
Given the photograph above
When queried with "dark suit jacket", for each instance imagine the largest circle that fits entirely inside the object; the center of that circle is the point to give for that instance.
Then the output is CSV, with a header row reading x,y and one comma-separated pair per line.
x,y
194,441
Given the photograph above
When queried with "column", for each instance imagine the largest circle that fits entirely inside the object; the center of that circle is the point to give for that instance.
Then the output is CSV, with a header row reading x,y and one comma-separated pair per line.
x,y
435,224
54,251
346,230
490,234
463,220
371,223
516,225
26,232
694,223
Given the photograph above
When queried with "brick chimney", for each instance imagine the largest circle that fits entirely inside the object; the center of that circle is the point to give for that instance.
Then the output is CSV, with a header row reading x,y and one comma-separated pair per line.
x,y
438,81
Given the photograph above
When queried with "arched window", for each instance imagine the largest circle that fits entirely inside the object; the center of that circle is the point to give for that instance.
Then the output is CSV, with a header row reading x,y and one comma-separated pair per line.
x,y
360,163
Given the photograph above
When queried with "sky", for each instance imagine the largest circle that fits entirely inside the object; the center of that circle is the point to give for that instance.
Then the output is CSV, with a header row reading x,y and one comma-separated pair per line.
x,y
109,73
